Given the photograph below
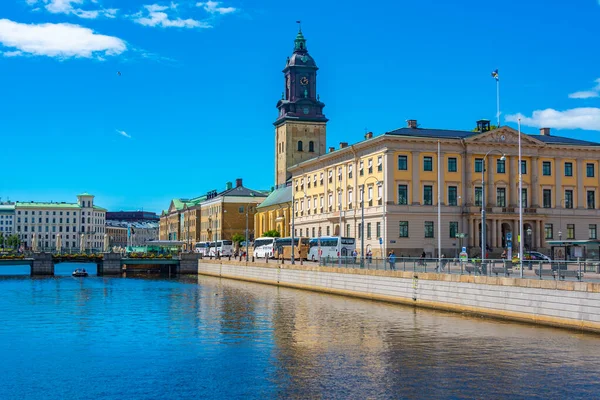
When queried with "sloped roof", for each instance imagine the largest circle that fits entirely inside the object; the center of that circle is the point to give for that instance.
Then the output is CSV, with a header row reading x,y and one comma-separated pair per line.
x,y
243,192
46,205
563,140
278,196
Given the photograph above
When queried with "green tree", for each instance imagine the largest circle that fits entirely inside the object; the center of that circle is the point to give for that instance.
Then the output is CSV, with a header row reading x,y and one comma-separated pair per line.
x,y
237,238
272,233
492,127
13,241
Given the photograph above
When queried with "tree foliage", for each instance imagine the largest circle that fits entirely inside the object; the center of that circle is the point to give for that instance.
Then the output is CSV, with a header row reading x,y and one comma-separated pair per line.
x,y
492,127
272,233
13,241
237,238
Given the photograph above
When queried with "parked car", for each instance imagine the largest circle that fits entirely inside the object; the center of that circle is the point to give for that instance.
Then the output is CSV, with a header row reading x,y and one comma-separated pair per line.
x,y
533,256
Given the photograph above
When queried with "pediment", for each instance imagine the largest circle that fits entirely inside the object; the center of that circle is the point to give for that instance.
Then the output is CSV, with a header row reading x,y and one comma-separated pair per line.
x,y
172,207
503,135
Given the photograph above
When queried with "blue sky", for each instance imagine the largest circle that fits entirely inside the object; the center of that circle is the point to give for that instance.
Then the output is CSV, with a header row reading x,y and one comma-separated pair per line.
x,y
194,104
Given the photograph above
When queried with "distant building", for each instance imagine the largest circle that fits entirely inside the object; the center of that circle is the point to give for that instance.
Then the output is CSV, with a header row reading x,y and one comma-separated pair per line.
x,y
7,214
69,220
141,233
132,216
214,216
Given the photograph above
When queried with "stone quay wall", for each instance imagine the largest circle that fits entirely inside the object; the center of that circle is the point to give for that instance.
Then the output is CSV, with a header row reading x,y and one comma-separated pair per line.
x,y
565,304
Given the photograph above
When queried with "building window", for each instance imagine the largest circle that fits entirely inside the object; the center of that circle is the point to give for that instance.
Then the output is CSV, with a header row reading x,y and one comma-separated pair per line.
x,y
313,232
427,164
479,165
368,230
241,210
452,165
453,229
311,146
350,171
591,199
370,165
377,230
361,171
379,164
403,194
402,163
501,166
427,195
452,195
570,231
568,169
501,197
359,231
403,229
568,199
347,230
547,168
593,231
523,167
299,145
547,198
429,229
548,230
590,170
524,197
478,196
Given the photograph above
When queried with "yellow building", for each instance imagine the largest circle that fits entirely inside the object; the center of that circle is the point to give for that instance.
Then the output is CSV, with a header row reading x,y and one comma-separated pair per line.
x,y
214,216
398,172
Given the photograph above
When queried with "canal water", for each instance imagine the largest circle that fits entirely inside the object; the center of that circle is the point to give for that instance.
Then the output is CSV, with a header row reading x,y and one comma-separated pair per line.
x,y
201,337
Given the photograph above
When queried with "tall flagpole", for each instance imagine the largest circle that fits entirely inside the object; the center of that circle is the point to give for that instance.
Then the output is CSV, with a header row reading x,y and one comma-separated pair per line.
x,y
521,257
498,100
439,203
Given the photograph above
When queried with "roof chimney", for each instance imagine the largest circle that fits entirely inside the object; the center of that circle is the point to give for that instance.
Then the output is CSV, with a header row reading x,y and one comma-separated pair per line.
x,y
545,131
238,182
228,186
483,125
331,149
412,123
369,135
343,145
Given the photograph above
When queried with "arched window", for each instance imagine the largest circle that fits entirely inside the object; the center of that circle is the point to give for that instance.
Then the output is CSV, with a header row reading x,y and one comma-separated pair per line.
x,y
299,145
311,146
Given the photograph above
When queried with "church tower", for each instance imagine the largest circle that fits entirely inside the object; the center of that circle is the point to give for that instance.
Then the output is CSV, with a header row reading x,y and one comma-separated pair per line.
x,y
300,127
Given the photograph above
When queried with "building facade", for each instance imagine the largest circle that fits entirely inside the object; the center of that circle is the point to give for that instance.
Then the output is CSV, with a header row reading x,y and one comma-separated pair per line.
x,y
117,234
125,233
132,216
398,172
77,223
7,216
214,216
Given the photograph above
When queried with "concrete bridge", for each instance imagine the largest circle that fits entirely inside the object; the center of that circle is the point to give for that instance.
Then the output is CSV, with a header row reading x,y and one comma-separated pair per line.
x,y
109,263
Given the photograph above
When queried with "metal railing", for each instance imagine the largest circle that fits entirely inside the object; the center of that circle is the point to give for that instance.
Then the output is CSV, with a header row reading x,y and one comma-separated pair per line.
x,y
580,270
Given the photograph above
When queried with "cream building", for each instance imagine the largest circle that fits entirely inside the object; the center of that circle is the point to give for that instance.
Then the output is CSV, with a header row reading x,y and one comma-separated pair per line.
x,y
46,221
398,172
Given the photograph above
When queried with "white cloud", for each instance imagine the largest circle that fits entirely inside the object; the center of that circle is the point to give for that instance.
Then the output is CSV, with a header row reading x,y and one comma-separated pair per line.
x,y
587,118
123,133
67,7
58,40
213,7
12,53
156,16
586,94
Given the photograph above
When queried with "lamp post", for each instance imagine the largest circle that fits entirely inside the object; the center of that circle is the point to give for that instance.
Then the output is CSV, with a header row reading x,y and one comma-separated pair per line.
x,y
340,223
362,220
483,204
292,260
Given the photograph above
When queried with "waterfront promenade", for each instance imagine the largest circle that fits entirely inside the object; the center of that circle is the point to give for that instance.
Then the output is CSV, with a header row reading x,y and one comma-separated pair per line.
x,y
567,304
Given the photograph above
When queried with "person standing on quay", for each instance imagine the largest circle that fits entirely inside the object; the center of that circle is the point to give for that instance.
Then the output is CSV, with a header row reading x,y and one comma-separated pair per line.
x,y
392,260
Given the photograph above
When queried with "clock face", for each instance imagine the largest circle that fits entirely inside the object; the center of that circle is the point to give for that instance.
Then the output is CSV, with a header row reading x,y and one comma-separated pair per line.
x,y
304,81
305,110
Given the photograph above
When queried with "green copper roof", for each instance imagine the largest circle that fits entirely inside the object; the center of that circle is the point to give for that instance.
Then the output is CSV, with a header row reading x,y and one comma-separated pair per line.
x,y
104,209
84,194
278,196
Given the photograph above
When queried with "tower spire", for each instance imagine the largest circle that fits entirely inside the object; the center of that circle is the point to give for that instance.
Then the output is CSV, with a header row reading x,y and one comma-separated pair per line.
x,y
300,41
299,26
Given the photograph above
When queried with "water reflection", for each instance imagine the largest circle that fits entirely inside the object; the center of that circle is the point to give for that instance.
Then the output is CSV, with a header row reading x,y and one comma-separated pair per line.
x,y
151,337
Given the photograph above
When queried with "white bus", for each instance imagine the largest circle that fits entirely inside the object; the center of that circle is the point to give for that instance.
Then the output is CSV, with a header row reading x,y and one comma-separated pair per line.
x,y
331,246
264,247
224,247
201,248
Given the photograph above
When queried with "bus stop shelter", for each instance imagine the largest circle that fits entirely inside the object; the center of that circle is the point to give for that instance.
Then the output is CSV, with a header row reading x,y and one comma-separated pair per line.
x,y
573,250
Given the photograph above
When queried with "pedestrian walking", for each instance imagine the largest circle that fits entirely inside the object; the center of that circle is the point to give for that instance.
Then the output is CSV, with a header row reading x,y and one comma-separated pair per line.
x,y
369,256
354,254
392,260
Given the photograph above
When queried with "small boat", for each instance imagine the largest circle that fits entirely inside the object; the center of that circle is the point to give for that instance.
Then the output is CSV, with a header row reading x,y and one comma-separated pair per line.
x,y
80,272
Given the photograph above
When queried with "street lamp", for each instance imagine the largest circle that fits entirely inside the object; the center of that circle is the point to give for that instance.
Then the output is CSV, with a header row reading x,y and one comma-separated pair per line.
x,y
483,204
362,221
